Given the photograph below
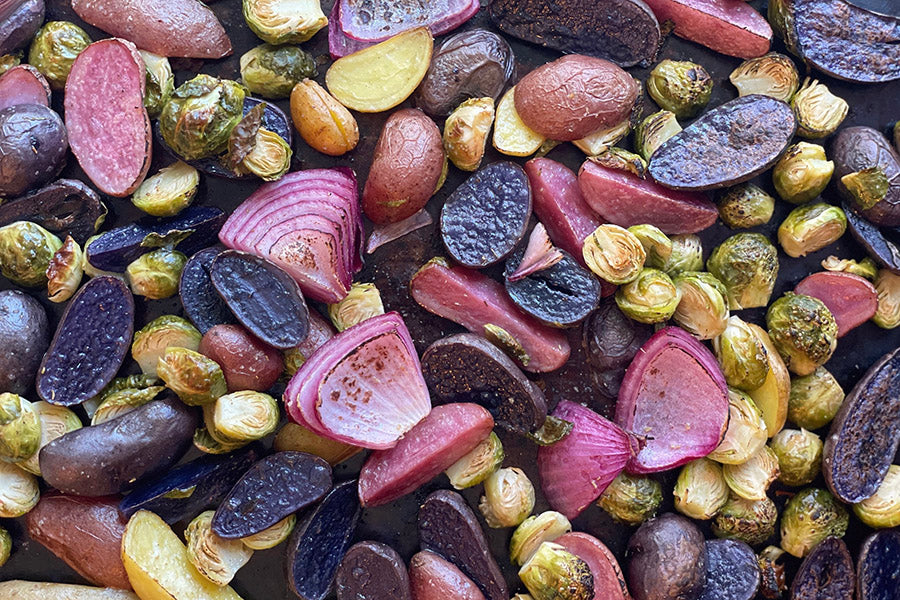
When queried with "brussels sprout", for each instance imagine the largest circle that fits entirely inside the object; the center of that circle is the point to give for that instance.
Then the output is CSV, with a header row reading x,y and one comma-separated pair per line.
x,y
284,21
196,379
8,61
700,490
466,132
160,82
20,428
653,132
703,309
883,508
802,173
681,87
19,491
745,205
631,499
799,454
864,268
534,531
741,355
273,71
803,330
651,298
5,545
747,263
657,245
155,275
217,559
205,442
119,402
746,432
819,112
54,48
553,573
751,479
163,332
867,187
506,342
772,581
551,431
751,521
270,157
887,284
271,536
363,302
26,250
815,399
614,254
687,255
477,465
65,271
508,498
56,421
168,192
772,75
522,597
244,416
809,517
601,140
197,120
622,160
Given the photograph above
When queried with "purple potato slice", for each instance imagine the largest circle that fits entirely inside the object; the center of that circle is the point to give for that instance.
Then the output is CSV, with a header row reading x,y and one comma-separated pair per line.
x,y
732,571
202,304
880,244
64,207
825,574
372,571
878,568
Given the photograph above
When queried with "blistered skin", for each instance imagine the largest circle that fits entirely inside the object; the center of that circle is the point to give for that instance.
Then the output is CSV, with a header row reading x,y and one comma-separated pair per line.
x,y
732,572
826,574
64,207
858,148
19,20
667,559
24,129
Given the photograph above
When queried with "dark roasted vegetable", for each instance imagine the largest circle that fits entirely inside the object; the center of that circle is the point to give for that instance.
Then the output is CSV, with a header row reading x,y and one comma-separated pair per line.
x,y
434,578
202,304
732,572
610,341
19,20
880,244
675,542
878,566
856,149
64,207
33,145
826,574
372,571
24,336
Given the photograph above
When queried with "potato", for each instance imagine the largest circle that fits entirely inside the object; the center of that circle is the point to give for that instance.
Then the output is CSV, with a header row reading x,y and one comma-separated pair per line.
x,y
382,76
772,397
574,96
33,590
23,128
158,567
248,363
24,337
323,122
511,135
406,169
675,542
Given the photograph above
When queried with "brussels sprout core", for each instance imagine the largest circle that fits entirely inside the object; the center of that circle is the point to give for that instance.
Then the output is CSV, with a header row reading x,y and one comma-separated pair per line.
x,y
244,416
819,112
700,490
614,254
508,498
477,465
751,479
772,75
19,491
65,271
163,332
466,132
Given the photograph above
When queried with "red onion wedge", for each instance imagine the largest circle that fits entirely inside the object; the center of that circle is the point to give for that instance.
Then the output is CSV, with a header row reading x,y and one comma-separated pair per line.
x,y
384,234
448,433
362,387
609,582
575,470
540,254
377,21
674,396
474,301
339,43
309,224
23,84
850,298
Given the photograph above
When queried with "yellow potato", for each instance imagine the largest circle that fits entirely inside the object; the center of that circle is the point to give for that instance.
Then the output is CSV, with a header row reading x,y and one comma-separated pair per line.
x,y
382,76
32,590
511,135
773,395
296,438
601,140
158,567
323,122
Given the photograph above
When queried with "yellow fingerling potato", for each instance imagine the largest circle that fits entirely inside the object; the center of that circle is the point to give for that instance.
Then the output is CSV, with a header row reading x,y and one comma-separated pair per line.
x,y
33,590
323,122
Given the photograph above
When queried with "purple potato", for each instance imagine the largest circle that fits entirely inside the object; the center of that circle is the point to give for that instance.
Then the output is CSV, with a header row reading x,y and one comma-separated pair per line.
x,y
878,567
675,542
372,571
858,148
19,21
33,147
24,337
64,207
825,574
202,304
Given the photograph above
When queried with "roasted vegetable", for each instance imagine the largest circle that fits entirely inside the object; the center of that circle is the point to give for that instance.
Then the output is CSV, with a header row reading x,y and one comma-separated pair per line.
x,y
552,573
196,379
533,532
809,517
771,75
867,170
26,250
244,416
741,355
159,84
168,192
19,491
751,521
477,465
681,87
803,330
362,302
745,205
819,112
323,122
615,254
654,131
802,173
702,309
751,479
746,433
672,540
215,558
887,284
197,120
466,131
815,399
24,336
811,227
273,71
20,428
651,298
700,490
747,264
882,509
65,271
155,275
54,48
631,499
279,23
508,498
687,255
151,342
799,454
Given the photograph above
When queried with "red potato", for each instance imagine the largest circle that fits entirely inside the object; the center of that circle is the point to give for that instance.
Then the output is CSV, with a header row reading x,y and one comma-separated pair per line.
x,y
433,578
609,582
248,363
730,27
624,199
407,166
108,127
23,84
575,95
184,28
850,298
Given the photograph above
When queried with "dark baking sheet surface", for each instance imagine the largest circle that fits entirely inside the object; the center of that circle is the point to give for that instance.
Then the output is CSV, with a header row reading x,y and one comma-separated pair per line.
x,y
392,265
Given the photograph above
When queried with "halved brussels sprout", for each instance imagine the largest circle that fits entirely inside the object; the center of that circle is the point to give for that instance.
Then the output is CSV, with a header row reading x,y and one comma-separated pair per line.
x,y
5,545
466,132
217,559
703,309
65,271
506,342
815,399
160,82
809,517
803,330
882,509
887,284
56,421
169,191
26,250
864,268
687,254
811,227
681,87
271,536
602,140
163,332
751,479
477,465
653,132
54,48
751,521
533,532
746,205
19,491
614,254
363,302
802,173
746,433
700,490
205,442
551,431
244,416
273,71
284,21
270,157
819,112
651,298
20,428
622,160
508,498
197,120
747,263
657,245
552,573
196,379
631,499
741,355
122,401
773,75
155,275
799,454
867,187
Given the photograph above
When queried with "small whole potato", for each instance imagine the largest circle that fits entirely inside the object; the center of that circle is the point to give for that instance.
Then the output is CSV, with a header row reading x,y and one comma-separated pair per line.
x,y
248,363
675,543
323,122
406,169
574,96
24,337
33,147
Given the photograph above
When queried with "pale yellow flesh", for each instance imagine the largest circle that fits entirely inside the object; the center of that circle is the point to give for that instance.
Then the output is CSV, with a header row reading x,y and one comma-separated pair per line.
x,y
772,396
33,590
158,567
511,136
296,438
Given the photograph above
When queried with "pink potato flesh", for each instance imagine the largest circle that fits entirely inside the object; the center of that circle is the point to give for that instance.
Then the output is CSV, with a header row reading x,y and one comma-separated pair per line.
x,y
609,582
850,298
23,84
433,578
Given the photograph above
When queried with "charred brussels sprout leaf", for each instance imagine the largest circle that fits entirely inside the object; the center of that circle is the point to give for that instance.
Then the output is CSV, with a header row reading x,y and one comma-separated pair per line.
x,y
681,87
65,271
751,521
54,48
168,192
653,132
651,298
809,517
815,399
747,263
700,490
864,268
799,454
803,330
802,173
284,21
773,75
197,120
746,205
26,250
508,498
273,71
631,499
819,112
159,84
155,275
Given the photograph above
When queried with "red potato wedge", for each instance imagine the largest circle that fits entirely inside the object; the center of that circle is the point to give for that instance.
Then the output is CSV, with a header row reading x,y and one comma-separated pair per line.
x,y
730,27
448,433
850,298
23,84
433,578
182,28
624,199
109,129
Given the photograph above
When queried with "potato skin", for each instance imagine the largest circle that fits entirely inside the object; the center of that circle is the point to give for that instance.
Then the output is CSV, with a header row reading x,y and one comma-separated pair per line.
x,y
248,363
669,541
24,337
574,96
322,121
408,162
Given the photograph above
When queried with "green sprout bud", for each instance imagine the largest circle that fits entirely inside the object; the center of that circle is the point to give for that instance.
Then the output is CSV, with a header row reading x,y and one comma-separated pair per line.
x,y
802,173
681,87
